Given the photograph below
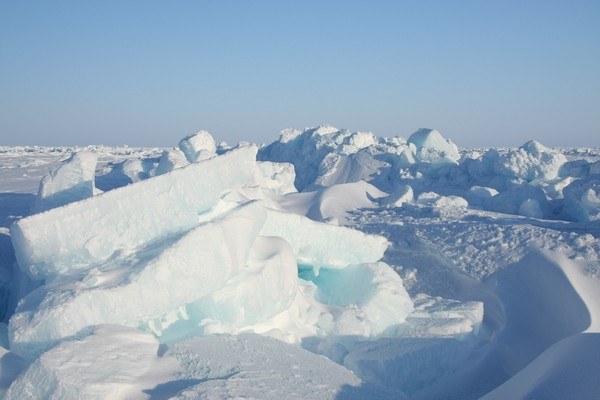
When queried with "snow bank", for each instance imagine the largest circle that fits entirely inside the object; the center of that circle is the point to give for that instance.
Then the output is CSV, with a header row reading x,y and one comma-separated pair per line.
x,y
106,364
70,238
252,366
333,204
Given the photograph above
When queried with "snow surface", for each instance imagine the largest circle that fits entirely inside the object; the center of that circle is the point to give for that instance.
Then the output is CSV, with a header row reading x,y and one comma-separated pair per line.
x,y
337,265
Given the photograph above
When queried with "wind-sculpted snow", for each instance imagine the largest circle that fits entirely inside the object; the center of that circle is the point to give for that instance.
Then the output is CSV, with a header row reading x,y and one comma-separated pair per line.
x,y
104,365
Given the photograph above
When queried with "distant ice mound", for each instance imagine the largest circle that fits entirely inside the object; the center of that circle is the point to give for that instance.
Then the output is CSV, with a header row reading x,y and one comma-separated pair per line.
x,y
530,162
325,155
533,180
433,148
198,147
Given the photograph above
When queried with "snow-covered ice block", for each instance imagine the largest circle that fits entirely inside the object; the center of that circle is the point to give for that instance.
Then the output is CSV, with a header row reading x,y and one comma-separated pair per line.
x,y
170,160
253,366
476,195
264,288
531,208
137,289
278,177
433,148
197,146
72,237
337,168
70,181
138,169
104,365
323,245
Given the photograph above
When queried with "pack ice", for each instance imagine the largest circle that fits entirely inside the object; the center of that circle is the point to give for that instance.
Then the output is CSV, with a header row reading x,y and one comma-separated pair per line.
x,y
187,282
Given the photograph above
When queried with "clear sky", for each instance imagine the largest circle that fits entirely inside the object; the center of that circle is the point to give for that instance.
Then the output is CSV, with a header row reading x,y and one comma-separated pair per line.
x,y
484,73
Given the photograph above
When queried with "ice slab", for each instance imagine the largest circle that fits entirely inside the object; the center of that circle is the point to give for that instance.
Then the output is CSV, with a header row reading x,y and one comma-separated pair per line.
x,y
265,287
70,181
324,245
140,288
104,365
72,237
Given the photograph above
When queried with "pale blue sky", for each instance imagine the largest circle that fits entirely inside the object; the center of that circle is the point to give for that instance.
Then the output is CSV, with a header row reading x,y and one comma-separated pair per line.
x,y
149,72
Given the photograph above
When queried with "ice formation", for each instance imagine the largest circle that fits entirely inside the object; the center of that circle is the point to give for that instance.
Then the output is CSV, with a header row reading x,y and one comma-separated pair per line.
x,y
176,281
433,148
70,181
198,147
70,238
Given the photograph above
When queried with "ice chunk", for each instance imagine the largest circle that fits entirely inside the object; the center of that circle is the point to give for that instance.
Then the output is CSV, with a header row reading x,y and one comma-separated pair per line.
x,y
138,169
278,177
69,238
137,289
324,245
264,288
170,160
476,195
198,146
104,365
433,148
71,181
402,194
532,161
531,208
357,141
337,168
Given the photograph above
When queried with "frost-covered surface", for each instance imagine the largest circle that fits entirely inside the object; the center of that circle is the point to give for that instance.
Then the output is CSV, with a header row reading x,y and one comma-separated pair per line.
x,y
419,270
